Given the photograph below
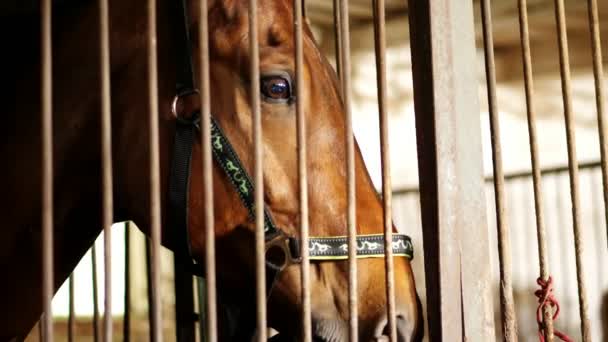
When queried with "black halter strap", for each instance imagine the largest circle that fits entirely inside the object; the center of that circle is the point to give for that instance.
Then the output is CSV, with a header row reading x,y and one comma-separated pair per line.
x,y
185,133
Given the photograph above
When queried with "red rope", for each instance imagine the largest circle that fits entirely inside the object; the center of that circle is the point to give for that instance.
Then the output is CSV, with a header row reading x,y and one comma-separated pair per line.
x,y
545,297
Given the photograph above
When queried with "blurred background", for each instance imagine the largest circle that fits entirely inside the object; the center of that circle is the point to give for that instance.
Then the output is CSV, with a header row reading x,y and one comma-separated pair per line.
x,y
515,143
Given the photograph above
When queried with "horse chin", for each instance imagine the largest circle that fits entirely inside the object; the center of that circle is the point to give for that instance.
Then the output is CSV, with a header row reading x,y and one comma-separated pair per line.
x,y
328,330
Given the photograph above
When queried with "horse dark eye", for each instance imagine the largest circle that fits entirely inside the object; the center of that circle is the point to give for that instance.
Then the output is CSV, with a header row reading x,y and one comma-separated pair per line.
x,y
276,88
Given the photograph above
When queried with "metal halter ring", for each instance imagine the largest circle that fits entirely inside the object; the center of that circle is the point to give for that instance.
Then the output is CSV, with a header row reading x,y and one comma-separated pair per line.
x,y
177,98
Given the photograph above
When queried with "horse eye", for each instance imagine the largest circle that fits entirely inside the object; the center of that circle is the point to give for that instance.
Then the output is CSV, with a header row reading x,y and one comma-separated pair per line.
x,y
276,88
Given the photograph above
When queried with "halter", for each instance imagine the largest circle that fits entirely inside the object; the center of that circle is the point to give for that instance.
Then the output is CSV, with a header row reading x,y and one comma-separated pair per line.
x,y
276,239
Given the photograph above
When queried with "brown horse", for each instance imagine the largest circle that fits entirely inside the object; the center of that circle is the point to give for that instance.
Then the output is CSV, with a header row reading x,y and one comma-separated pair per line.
x,y
77,160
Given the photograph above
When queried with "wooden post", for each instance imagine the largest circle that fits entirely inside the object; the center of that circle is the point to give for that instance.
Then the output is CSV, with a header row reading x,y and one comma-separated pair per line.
x,y
456,241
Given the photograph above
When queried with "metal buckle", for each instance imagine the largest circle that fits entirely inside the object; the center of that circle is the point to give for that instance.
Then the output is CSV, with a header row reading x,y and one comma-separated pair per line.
x,y
279,251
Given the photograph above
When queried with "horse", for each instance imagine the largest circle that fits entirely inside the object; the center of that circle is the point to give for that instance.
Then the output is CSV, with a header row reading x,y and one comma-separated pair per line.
x,y
77,160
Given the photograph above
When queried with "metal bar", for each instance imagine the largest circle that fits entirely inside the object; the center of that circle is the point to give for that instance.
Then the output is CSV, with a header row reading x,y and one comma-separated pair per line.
x,y
351,218
155,213
254,73
47,168
564,62
536,174
71,314
598,75
509,320
449,161
126,323
95,294
337,39
211,291
298,24
106,165
514,175
380,52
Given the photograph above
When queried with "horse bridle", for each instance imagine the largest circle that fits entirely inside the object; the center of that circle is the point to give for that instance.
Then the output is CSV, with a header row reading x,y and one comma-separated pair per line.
x,y
276,239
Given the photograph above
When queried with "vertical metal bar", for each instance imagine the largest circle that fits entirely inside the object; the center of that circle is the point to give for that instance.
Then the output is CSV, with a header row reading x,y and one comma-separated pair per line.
x,y
350,172
302,171
598,74
254,73
564,61
509,320
536,172
338,38
47,167
126,325
450,169
95,294
211,291
106,165
155,214
380,52
72,314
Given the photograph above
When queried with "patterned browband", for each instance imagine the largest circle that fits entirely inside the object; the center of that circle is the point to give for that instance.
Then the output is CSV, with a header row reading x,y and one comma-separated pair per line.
x,y
319,248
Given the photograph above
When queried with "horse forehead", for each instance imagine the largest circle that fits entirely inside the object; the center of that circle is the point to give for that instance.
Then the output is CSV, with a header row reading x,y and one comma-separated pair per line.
x,y
229,23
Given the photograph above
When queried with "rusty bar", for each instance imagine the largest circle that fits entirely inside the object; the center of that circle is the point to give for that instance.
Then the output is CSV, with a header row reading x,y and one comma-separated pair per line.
x,y
564,62
254,74
337,39
126,323
155,214
302,171
95,321
350,171
380,52
550,170
211,291
452,194
536,173
509,320
47,168
598,75
106,165
71,314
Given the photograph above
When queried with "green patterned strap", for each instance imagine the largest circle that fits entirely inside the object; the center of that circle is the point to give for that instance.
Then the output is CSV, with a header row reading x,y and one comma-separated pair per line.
x,y
229,161
368,246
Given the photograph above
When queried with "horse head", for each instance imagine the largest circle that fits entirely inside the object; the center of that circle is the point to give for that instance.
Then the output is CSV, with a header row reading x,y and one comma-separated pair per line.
x,y
325,127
